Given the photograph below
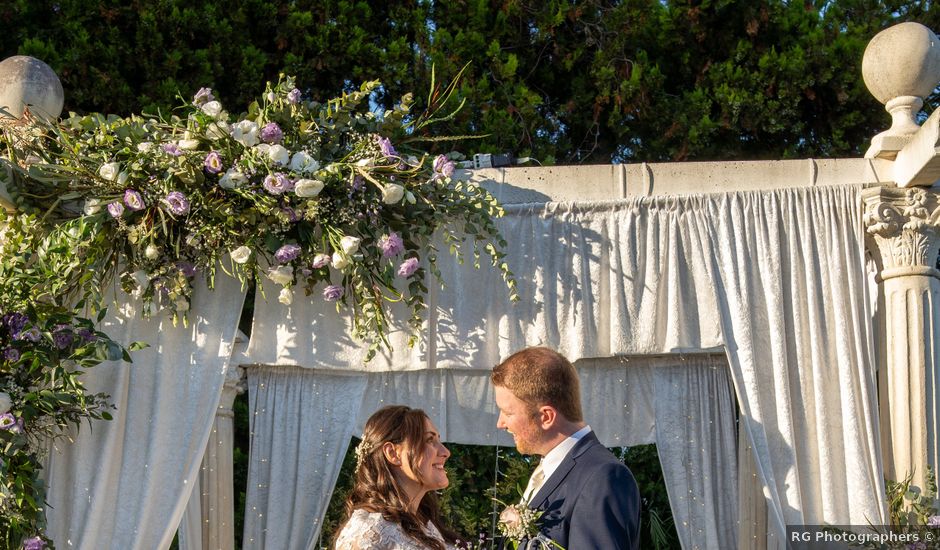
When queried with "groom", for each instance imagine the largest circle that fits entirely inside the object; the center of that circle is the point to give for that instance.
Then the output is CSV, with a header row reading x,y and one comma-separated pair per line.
x,y
589,499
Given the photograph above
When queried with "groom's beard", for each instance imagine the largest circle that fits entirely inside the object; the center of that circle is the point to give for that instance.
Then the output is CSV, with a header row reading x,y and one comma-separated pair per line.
x,y
528,438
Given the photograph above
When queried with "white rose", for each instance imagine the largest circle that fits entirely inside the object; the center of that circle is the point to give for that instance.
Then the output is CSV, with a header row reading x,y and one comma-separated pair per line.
x,y
286,296
339,261
246,133
144,146
212,108
232,178
279,154
5,402
308,188
282,274
188,144
110,171
349,244
92,207
241,254
392,193
151,252
218,130
303,163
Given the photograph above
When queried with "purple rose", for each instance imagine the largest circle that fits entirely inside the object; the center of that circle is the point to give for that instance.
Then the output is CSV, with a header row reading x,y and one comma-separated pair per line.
x,y
320,261
213,162
293,96
35,543
86,335
408,267
391,244
62,336
332,293
177,203
277,184
31,334
133,200
271,133
287,253
186,268
385,145
172,149
116,209
443,167
11,354
16,322
203,96
290,213
9,422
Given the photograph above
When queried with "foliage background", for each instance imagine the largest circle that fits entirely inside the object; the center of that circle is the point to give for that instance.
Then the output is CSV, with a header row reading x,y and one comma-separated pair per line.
x,y
565,81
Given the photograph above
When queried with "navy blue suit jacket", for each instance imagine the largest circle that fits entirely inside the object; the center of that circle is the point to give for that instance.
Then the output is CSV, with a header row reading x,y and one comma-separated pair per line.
x,y
591,502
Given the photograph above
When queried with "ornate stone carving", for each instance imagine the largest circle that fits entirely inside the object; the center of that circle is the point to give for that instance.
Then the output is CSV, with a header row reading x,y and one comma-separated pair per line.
x,y
905,224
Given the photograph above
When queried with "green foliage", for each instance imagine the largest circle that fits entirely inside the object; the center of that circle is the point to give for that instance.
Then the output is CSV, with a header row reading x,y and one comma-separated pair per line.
x,y
563,81
909,505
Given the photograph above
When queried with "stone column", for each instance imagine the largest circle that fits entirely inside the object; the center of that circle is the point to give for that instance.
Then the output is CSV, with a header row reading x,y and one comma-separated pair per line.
x,y
214,506
905,226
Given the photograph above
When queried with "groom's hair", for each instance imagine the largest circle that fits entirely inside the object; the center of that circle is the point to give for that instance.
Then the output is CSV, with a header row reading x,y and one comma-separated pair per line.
x,y
541,376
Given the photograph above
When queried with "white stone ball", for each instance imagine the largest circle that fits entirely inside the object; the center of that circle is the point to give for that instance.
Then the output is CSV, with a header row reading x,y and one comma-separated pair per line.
x,y
28,81
903,60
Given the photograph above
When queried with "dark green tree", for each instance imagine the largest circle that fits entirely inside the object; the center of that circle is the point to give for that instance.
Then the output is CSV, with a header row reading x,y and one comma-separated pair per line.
x,y
565,81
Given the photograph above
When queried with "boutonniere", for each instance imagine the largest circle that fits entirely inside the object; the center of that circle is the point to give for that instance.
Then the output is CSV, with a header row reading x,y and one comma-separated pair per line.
x,y
518,523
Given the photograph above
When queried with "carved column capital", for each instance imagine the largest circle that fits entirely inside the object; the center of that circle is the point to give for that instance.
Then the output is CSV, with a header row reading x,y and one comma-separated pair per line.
x,y
905,224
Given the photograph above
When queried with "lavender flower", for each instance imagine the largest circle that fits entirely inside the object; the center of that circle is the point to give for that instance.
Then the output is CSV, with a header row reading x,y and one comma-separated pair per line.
x,y
287,253
116,209
35,543
277,184
933,521
172,149
11,354
332,293
178,203
386,147
133,200
290,213
86,335
8,422
391,244
320,261
293,96
443,167
186,268
271,133
16,322
213,162
31,334
62,336
408,267
203,96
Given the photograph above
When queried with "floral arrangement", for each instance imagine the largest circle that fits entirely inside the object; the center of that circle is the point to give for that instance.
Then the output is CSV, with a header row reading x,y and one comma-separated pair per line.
x,y
44,348
333,197
519,526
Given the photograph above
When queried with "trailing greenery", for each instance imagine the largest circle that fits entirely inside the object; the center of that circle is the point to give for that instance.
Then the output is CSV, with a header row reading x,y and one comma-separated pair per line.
x,y
47,341
563,81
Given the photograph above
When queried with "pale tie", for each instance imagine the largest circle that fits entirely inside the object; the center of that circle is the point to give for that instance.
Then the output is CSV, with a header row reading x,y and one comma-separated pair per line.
x,y
535,483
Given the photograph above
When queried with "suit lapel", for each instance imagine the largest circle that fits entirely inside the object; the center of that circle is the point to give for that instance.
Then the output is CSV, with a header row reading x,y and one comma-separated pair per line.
x,y
569,462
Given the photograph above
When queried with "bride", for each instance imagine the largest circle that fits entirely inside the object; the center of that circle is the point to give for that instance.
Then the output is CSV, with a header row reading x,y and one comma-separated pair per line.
x,y
399,463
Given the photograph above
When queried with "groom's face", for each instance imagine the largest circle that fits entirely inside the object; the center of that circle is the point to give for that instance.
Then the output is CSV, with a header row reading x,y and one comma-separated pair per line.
x,y
517,417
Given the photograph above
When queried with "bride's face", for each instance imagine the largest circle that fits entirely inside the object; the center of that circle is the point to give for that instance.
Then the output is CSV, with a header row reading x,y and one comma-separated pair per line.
x,y
428,470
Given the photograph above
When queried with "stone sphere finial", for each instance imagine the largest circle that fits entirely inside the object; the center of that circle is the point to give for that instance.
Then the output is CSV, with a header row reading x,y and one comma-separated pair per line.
x,y
901,66
28,82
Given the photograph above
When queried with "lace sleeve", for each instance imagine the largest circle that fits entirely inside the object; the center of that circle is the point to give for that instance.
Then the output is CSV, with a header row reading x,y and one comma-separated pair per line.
x,y
368,531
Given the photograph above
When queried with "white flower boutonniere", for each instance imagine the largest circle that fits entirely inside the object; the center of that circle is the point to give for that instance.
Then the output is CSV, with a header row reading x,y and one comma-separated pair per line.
x,y
518,523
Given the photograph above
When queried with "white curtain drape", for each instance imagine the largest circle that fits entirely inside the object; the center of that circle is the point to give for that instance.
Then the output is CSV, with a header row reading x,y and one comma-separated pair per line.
x,y
124,484
795,317
301,423
775,278
696,439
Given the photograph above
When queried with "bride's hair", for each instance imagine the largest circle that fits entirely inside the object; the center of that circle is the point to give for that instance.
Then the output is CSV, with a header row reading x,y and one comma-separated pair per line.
x,y
375,488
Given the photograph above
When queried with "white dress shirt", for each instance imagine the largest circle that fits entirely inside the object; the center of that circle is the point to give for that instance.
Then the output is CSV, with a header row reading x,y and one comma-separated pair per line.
x,y
552,460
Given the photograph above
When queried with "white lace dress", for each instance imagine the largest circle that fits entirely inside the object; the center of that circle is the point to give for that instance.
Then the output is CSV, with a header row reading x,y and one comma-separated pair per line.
x,y
370,531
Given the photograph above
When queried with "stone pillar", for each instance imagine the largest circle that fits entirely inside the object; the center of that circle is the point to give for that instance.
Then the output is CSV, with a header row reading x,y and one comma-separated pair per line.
x,y
905,226
214,505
